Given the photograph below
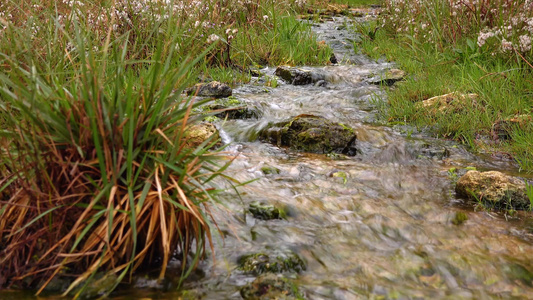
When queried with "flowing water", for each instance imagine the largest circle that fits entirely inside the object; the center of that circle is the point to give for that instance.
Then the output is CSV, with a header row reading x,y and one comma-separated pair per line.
x,y
378,225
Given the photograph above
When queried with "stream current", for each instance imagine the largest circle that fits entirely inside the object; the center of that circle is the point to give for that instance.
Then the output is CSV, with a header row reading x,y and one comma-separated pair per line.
x,y
383,229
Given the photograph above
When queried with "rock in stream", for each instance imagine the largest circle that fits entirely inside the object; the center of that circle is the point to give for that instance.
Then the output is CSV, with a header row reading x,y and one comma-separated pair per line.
x,y
494,189
311,134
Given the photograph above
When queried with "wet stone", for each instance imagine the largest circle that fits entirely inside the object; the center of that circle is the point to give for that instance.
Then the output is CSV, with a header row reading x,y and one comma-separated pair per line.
x,y
213,89
268,170
270,287
494,189
432,151
311,134
264,211
233,108
333,59
297,76
278,262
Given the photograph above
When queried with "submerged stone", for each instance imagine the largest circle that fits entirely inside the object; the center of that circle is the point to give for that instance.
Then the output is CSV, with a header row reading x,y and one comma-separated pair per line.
x,y
520,273
270,287
388,78
433,151
279,262
213,89
297,76
494,189
311,134
265,211
459,218
267,170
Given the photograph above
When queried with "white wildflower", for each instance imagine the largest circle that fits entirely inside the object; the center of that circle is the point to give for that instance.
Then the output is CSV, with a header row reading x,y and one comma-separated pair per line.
x,y
525,43
213,38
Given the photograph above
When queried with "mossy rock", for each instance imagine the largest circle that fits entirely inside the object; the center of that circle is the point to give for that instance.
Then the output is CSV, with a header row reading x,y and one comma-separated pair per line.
x,y
199,133
270,287
265,211
268,170
230,108
297,76
213,89
310,133
494,189
279,262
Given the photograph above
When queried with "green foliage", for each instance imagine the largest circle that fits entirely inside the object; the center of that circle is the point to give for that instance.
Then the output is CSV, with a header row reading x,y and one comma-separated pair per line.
x,y
503,85
98,174
287,41
529,193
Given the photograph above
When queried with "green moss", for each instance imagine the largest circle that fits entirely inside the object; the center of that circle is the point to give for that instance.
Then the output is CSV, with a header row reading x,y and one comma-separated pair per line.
x,y
259,263
270,170
229,101
264,211
518,272
459,218
270,287
341,175
211,119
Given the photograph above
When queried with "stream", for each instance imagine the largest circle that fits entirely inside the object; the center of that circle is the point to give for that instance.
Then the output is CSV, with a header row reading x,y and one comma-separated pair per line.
x,y
377,225
384,228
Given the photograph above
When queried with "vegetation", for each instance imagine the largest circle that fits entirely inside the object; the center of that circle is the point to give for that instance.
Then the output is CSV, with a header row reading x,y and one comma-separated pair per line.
x,y
97,176
467,47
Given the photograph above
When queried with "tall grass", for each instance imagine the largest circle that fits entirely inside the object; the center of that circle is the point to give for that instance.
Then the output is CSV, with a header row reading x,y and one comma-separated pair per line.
x,y
96,171
496,26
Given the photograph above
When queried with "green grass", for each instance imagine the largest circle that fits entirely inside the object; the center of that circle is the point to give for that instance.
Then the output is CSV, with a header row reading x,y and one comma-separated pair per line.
x,y
504,85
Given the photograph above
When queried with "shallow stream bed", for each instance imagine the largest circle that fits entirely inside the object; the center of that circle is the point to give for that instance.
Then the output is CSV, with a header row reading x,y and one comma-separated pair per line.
x,y
383,224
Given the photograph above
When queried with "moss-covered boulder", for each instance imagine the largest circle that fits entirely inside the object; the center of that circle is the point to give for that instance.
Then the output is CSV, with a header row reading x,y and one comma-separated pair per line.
x,y
278,262
494,189
449,103
213,89
233,108
311,134
297,76
265,211
270,287
199,133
